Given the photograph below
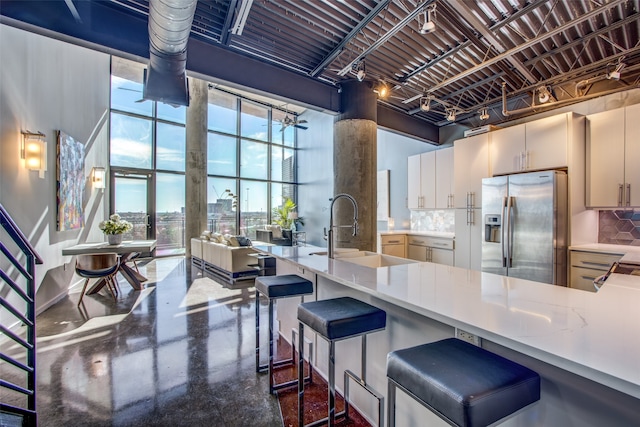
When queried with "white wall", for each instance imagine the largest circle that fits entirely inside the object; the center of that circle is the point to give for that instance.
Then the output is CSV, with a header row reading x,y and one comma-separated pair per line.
x,y
315,173
47,85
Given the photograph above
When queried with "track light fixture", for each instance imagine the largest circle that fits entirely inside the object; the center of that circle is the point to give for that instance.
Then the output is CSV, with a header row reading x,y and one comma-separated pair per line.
x,y
382,90
428,26
615,74
484,114
544,95
425,103
360,71
451,114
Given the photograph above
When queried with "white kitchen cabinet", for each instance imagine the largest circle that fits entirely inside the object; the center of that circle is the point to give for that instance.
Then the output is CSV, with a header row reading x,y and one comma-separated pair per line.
x,y
444,178
418,253
537,145
431,249
613,156
506,149
470,165
442,256
420,181
468,230
546,143
414,192
426,173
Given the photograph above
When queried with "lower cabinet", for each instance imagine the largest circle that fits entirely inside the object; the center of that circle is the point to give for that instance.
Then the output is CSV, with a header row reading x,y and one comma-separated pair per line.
x,y
586,266
393,245
430,249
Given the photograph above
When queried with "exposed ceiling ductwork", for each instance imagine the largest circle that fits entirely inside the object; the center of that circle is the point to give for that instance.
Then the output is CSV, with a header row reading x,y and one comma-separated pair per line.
x,y
169,27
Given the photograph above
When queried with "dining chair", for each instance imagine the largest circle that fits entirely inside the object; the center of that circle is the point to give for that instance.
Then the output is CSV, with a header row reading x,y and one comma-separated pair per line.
x,y
98,266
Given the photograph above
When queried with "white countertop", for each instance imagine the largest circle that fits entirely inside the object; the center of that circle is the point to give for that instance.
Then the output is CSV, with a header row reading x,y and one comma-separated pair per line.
x,y
595,335
443,234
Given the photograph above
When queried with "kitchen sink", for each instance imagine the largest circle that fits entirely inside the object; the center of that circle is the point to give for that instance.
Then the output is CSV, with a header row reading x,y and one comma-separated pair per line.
x,y
340,252
375,260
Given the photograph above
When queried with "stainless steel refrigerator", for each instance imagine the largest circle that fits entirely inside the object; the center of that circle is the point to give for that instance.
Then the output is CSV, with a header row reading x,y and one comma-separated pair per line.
x,y
525,226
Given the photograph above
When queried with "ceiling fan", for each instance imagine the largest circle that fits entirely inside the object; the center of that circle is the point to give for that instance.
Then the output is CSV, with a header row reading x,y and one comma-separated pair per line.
x,y
288,121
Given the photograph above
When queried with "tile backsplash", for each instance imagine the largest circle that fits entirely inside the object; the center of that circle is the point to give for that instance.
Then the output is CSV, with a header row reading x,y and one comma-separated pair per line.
x,y
616,227
433,220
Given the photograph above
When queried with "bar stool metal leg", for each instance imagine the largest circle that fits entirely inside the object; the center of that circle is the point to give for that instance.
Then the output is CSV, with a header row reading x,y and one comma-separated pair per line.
x,y
300,374
272,364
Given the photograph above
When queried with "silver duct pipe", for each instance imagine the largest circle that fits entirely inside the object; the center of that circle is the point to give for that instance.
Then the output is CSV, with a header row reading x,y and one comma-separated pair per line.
x,y
169,28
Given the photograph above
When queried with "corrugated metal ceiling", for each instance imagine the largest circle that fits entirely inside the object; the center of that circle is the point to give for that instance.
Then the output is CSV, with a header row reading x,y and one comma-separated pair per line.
x,y
569,46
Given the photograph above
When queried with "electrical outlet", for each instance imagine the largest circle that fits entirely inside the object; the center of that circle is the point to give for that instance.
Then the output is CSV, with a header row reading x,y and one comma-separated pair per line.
x,y
468,337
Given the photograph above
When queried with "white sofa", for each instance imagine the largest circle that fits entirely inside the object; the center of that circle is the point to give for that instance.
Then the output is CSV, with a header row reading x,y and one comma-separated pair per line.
x,y
232,263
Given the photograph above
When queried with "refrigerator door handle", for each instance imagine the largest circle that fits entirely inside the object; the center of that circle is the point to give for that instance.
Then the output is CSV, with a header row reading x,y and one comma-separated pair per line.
x,y
510,231
505,227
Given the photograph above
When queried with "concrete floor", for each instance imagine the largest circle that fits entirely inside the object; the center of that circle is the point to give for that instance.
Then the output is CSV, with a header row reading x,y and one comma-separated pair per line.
x,y
178,353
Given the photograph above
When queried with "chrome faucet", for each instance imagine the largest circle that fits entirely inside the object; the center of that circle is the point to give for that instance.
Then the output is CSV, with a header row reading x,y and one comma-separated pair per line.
x,y
329,236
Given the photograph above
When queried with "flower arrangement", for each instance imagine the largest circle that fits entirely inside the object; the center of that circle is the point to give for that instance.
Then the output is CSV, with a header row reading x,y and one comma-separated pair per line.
x,y
115,225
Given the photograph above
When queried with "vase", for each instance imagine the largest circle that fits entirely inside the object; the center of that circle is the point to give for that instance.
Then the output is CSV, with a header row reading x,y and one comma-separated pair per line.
x,y
114,239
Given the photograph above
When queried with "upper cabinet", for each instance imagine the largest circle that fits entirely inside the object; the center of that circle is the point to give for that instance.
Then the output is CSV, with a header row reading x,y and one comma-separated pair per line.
x,y
430,177
471,165
613,156
444,178
541,144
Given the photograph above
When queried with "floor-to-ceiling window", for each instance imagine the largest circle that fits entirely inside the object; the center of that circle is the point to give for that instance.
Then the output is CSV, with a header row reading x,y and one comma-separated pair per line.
x,y
250,161
147,160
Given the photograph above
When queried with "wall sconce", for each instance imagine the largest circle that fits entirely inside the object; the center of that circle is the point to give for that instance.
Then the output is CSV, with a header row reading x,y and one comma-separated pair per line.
x,y
98,175
33,150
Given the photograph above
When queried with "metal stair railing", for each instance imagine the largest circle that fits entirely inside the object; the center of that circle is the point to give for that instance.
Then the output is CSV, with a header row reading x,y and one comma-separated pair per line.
x,y
26,316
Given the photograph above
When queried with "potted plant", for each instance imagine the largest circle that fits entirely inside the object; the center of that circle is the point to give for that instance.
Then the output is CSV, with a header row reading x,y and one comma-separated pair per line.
x,y
285,215
114,227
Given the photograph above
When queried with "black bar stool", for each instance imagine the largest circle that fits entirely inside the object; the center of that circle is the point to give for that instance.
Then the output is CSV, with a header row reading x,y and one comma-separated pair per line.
x,y
463,384
275,287
337,319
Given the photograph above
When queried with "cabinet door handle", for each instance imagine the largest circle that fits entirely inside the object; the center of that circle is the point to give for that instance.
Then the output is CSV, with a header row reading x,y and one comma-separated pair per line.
x,y
628,194
619,194
526,160
600,264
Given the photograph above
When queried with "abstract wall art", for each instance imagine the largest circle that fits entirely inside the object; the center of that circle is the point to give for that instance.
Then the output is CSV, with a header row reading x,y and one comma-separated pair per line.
x,y
70,182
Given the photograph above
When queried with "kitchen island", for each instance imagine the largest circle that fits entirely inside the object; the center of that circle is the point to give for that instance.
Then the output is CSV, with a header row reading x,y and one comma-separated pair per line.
x,y
586,346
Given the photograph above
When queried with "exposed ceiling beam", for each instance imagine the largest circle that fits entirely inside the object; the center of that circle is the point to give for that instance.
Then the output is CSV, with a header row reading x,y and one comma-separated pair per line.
x,y
73,10
460,8
525,10
226,28
528,44
339,48
383,39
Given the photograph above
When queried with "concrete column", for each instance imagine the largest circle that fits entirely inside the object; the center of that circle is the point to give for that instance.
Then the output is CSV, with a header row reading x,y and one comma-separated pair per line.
x,y
196,162
355,164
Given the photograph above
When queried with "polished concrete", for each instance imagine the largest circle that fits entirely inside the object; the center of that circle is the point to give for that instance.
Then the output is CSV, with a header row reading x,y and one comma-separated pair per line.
x,y
181,352
178,353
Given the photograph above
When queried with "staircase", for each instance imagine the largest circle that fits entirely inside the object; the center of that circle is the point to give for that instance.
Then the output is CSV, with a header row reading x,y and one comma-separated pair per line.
x,y
17,350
